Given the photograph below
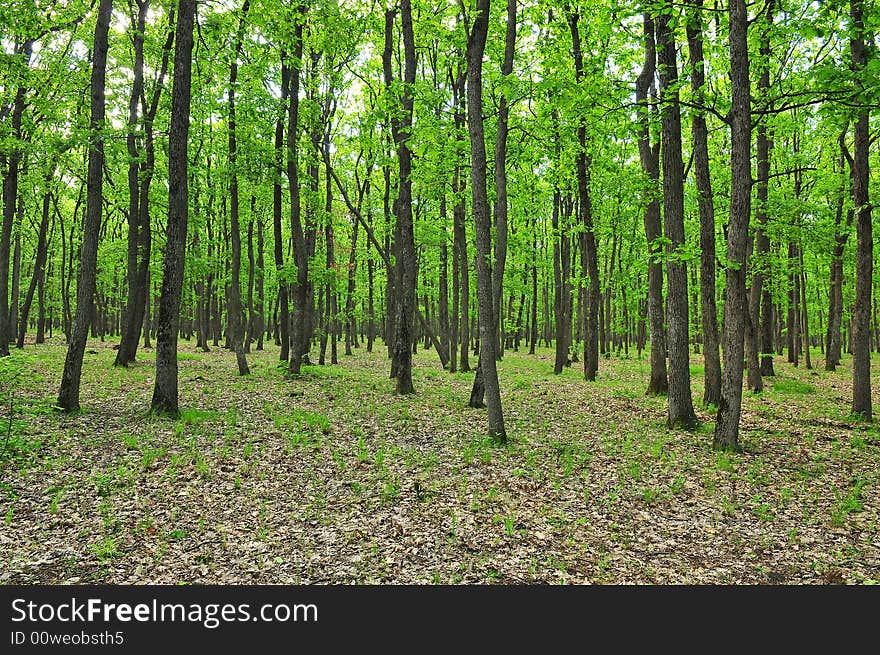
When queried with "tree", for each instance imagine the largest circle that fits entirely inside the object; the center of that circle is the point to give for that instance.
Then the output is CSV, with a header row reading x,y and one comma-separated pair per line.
x,y
861,325
681,409
299,345
165,394
649,157
729,409
589,261
706,202
404,245
236,312
68,393
480,205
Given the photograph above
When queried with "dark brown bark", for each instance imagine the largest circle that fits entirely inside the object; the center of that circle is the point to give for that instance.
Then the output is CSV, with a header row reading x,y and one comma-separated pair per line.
x,y
68,393
298,328
140,176
123,354
533,305
758,358
482,221
681,409
587,239
350,335
165,393
251,282
10,200
443,282
805,316
39,263
835,293
561,287
650,162
461,265
501,178
735,302
236,311
283,311
404,244
705,200
861,320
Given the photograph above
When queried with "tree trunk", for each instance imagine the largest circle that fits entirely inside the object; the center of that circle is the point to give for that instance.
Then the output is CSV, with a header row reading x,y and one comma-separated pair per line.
x,y
68,394
861,324
681,409
708,309
735,302
283,311
759,357
501,178
298,331
443,282
349,298
165,394
589,261
404,244
835,292
482,221
10,194
650,162
39,264
236,312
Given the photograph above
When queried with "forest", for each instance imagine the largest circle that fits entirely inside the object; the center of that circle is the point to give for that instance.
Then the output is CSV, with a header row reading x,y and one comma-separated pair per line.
x,y
417,291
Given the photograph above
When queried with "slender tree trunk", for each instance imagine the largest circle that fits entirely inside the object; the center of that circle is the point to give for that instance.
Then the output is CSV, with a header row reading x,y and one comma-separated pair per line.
x,y
735,301
350,327
252,319
589,257
404,245
124,353
835,293
805,317
443,283
39,264
681,409
560,287
68,393
709,311
482,220
861,324
283,311
298,334
236,312
459,235
533,328
16,272
10,196
501,178
165,392
650,160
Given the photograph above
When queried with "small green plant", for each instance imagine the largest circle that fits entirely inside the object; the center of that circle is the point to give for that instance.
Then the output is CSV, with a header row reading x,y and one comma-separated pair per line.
x,y
391,490
792,387
103,483
725,461
177,534
651,495
848,502
105,549
677,485
56,498
361,451
761,510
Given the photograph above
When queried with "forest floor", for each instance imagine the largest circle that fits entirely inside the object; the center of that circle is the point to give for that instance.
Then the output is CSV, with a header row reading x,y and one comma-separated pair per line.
x,y
331,478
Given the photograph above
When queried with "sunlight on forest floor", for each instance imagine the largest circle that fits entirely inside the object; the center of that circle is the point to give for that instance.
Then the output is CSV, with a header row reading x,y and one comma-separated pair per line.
x,y
331,478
